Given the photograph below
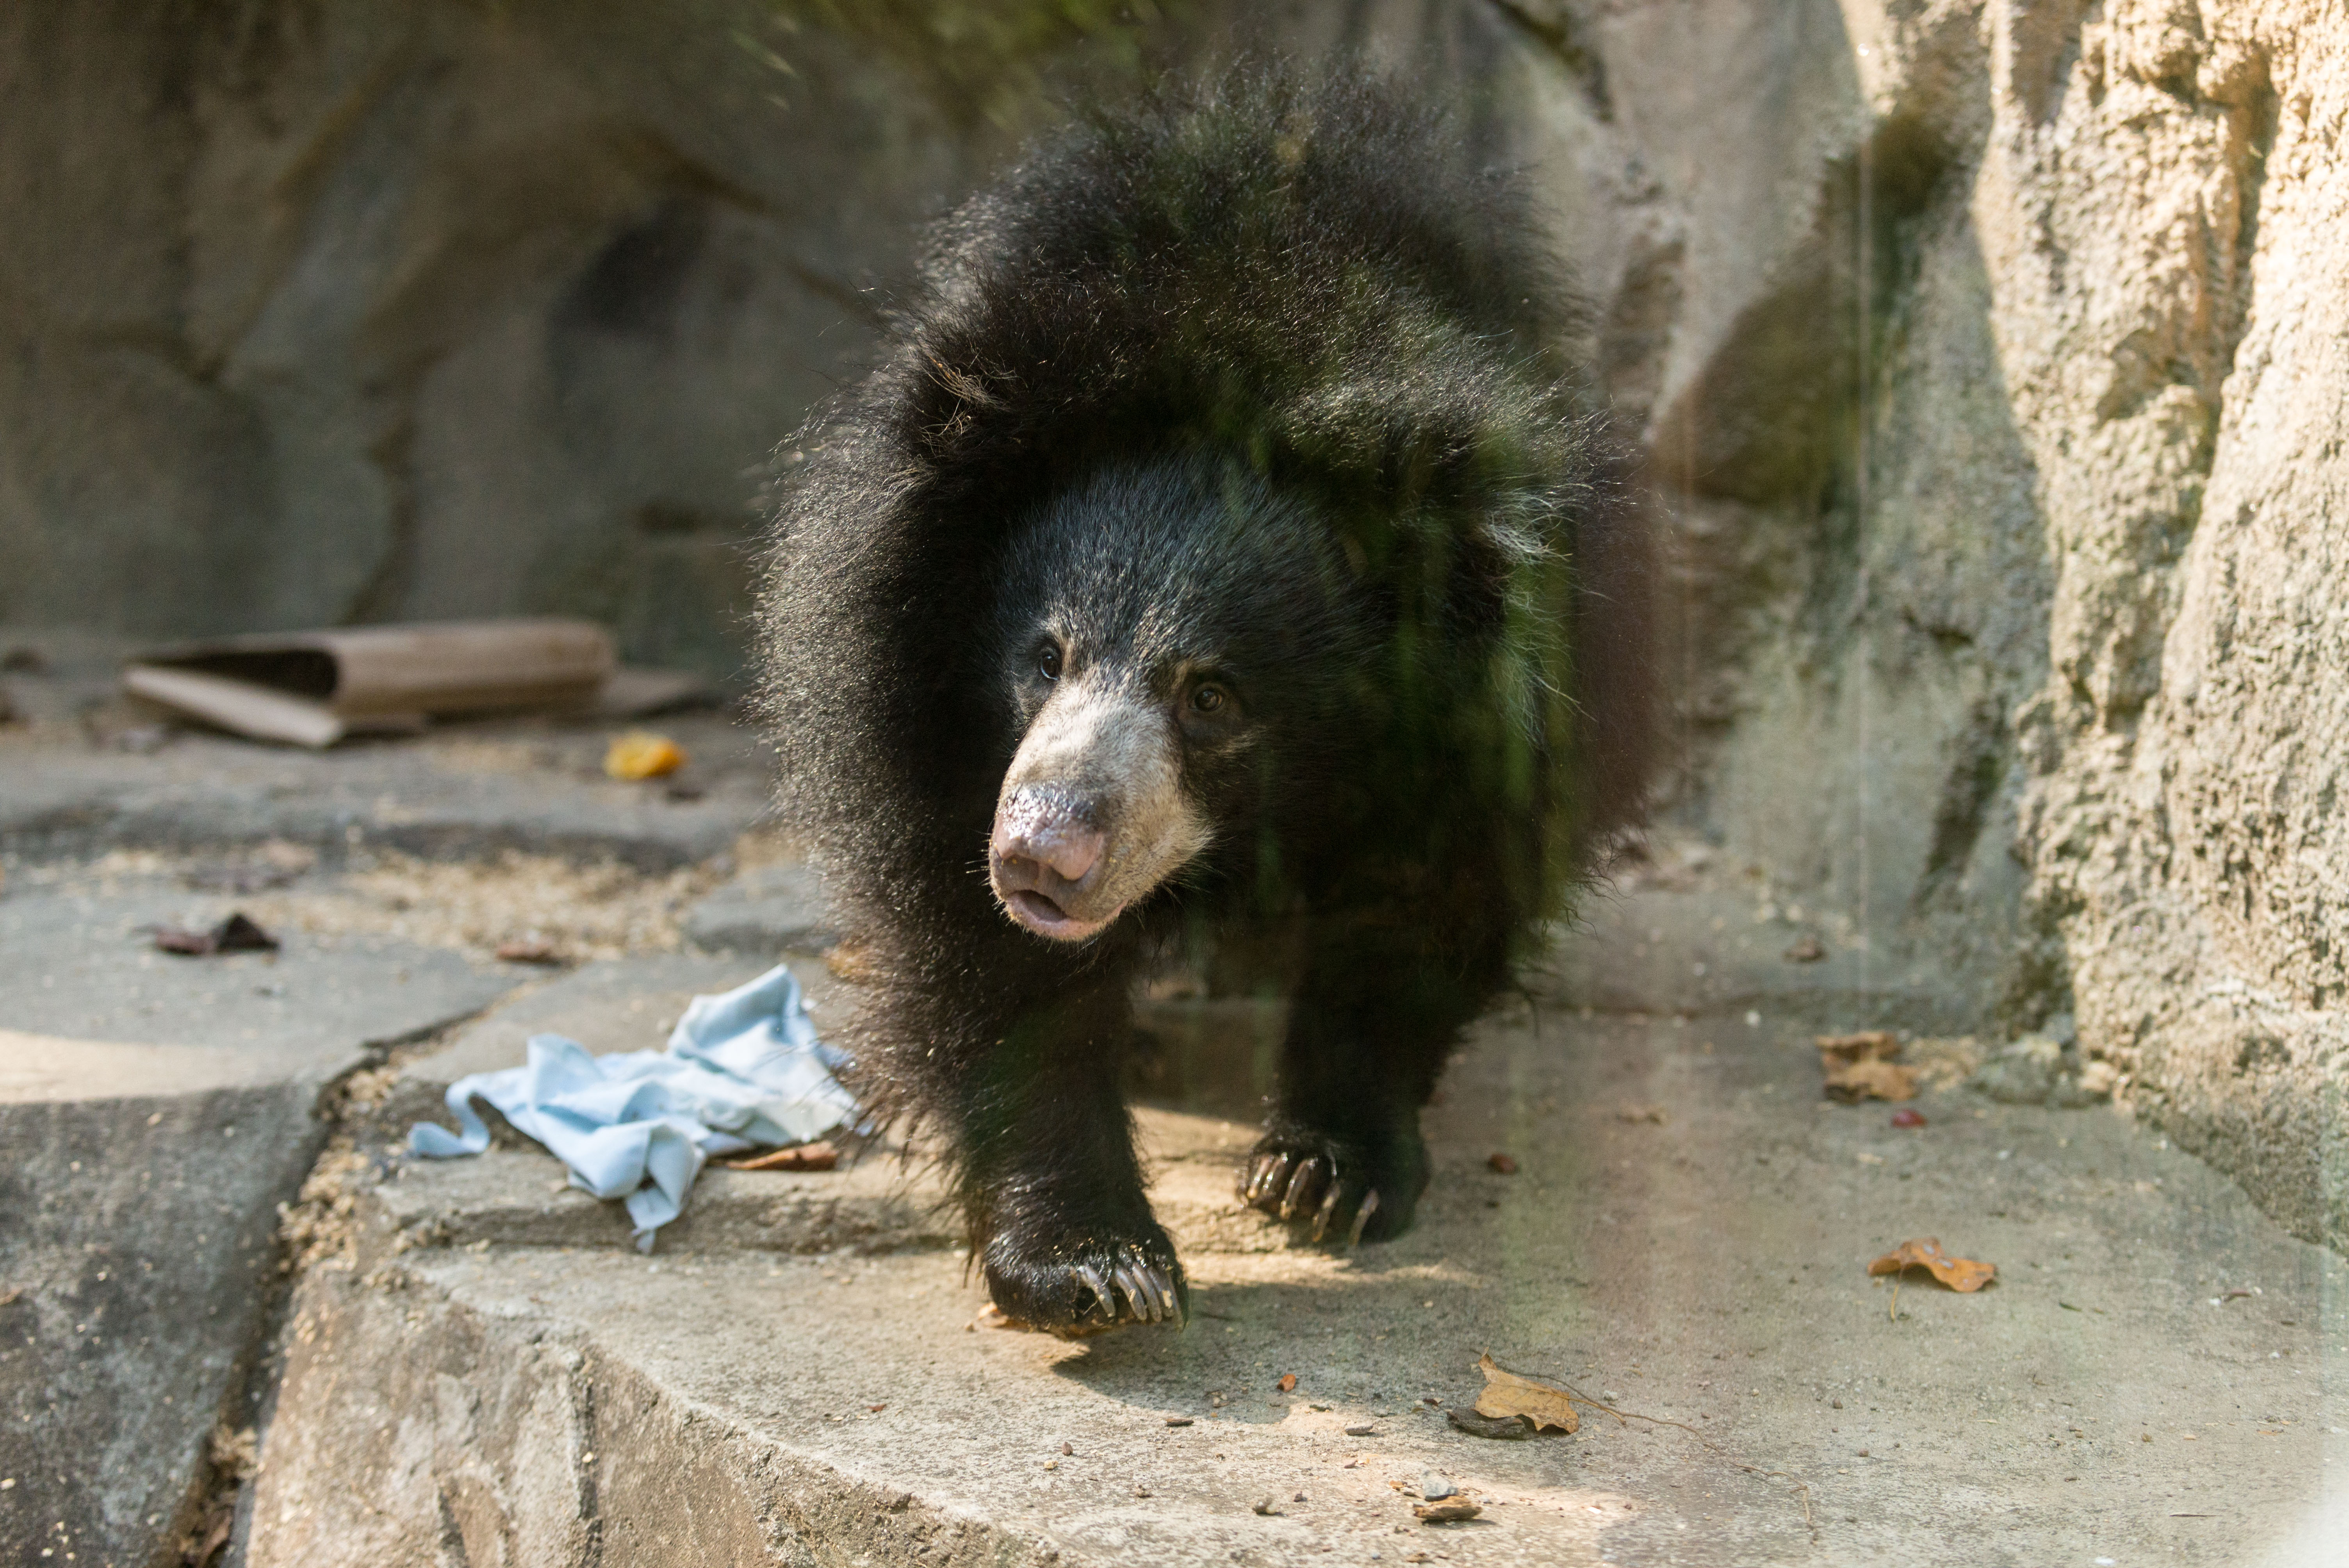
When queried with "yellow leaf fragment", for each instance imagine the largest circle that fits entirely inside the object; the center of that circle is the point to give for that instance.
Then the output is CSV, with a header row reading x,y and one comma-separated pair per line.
x,y
641,754
1548,1405
1959,1274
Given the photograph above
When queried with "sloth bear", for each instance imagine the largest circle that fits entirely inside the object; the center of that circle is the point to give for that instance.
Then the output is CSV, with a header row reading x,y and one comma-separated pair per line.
x,y
1223,553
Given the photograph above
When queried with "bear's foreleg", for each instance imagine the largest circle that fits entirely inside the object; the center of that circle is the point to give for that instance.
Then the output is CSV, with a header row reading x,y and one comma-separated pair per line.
x,y
1050,1179
1370,1028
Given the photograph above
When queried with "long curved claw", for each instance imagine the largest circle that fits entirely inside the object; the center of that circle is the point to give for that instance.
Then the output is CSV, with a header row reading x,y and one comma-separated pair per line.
x,y
1328,1207
1362,1217
1270,1177
1145,1309
1162,1293
1300,1188
1154,1283
1104,1303
1152,1291
1122,1283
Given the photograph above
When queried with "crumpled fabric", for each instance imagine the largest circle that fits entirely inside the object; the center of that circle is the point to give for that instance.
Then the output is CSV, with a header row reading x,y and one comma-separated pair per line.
x,y
743,1069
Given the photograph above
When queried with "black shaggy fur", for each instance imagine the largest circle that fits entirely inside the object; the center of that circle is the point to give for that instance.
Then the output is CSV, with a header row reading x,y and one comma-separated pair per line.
x,y
1257,370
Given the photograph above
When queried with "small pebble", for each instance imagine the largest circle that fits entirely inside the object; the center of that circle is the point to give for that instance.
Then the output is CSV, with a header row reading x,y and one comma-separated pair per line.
x,y
1266,1505
1178,1420
1361,1432
1435,1488
1505,1164
1906,1117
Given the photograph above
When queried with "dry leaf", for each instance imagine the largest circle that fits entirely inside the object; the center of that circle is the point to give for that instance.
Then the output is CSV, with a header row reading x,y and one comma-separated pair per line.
x,y
1548,1405
641,754
1451,1511
1959,1274
1872,1080
1860,1067
1476,1426
531,949
805,1157
237,934
1866,1045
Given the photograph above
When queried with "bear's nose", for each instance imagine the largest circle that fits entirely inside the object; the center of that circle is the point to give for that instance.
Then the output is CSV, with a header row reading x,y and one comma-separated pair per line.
x,y
1050,830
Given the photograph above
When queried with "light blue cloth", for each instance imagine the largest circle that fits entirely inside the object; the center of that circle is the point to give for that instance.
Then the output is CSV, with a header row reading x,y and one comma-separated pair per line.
x,y
742,1069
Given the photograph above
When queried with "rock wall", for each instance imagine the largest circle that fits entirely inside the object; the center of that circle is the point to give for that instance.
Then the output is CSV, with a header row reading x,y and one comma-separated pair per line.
x,y
1989,354
341,312
1998,369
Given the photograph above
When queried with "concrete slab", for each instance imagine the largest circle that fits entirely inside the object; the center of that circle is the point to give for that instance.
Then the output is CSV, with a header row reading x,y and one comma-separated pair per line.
x,y
777,908
155,1112
460,790
1715,946
1684,1238
92,1011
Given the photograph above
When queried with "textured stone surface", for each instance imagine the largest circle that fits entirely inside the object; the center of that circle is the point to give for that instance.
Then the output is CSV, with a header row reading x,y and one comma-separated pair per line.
x,y
324,312
154,1113
775,909
463,790
1685,1238
1990,360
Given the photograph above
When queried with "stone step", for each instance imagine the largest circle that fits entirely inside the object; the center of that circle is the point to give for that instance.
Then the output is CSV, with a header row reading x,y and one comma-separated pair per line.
x,y
1684,1238
155,1112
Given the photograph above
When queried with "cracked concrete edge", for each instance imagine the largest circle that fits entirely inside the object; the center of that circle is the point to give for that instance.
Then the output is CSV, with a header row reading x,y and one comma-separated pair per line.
x,y
110,1187
522,1198
520,1442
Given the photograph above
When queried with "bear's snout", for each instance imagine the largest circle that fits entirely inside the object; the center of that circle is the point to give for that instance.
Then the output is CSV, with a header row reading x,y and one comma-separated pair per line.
x,y
1043,857
1091,815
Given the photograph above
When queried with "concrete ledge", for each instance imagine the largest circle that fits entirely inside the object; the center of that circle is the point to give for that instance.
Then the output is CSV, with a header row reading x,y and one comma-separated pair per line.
x,y
511,1402
141,1173
516,1198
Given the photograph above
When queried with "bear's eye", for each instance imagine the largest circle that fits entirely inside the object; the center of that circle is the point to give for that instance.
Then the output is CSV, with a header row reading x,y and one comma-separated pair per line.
x,y
1048,661
1208,697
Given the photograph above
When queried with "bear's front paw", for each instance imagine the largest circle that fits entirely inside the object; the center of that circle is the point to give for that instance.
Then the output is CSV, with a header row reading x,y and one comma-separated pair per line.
x,y
1363,1189
1087,1286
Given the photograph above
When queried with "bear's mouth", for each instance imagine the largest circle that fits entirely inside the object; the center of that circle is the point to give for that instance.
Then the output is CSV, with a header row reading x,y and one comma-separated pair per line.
x,y
1045,918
